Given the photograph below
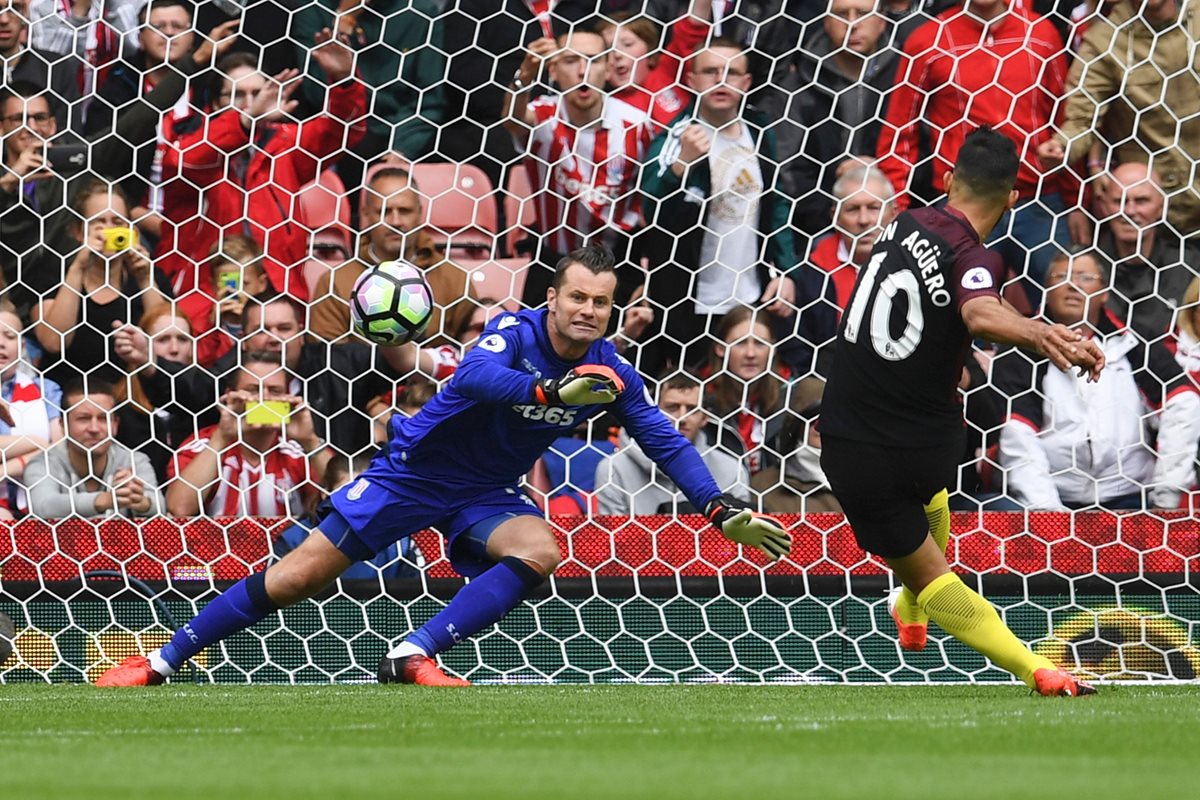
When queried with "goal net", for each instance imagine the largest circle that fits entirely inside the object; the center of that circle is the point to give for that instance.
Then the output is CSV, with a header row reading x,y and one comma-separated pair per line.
x,y
186,201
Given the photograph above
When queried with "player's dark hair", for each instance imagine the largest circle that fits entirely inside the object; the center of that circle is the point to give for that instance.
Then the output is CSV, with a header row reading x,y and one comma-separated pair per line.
x,y
76,390
596,257
1077,251
415,392
987,164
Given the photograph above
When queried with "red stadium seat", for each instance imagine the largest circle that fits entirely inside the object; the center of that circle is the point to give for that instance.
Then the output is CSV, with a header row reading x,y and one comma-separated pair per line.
x,y
325,211
460,207
323,205
501,278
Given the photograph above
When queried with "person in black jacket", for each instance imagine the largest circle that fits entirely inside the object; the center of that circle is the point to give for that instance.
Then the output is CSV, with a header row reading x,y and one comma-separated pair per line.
x,y
20,63
833,94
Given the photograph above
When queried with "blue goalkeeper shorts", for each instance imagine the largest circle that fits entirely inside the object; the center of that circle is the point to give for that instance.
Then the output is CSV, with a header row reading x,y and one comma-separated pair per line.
x,y
377,510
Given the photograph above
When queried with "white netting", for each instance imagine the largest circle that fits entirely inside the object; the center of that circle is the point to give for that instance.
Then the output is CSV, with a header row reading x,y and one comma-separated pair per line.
x,y
166,166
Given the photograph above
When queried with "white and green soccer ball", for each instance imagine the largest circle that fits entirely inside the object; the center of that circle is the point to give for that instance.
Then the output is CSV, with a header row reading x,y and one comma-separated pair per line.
x,y
391,304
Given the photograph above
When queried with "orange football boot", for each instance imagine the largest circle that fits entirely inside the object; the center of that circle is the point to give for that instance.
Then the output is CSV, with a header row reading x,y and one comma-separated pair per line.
x,y
416,669
133,671
1060,683
912,636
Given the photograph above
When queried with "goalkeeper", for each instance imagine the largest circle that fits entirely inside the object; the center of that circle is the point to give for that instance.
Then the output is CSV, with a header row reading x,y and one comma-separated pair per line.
x,y
456,466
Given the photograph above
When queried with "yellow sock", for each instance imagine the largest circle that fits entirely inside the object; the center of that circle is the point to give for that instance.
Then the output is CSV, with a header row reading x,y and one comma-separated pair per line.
x,y
937,511
966,616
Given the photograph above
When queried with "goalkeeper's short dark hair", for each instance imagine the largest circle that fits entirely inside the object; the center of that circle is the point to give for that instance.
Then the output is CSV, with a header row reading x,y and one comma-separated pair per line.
x,y
596,257
987,163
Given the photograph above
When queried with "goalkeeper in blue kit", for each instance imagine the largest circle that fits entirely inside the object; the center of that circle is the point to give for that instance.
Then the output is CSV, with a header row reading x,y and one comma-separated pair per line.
x,y
456,466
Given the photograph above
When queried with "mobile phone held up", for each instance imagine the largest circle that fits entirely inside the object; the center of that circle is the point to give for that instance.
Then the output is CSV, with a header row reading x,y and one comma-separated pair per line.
x,y
228,283
268,412
67,160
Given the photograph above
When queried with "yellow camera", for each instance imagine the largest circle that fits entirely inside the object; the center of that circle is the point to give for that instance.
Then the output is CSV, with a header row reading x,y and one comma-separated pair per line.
x,y
118,239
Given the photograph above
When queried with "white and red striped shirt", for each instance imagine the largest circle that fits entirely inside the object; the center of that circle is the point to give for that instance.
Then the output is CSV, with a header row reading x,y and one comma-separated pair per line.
x,y
587,179
274,487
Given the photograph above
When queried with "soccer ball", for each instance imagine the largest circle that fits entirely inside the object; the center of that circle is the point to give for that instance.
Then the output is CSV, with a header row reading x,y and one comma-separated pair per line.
x,y
391,304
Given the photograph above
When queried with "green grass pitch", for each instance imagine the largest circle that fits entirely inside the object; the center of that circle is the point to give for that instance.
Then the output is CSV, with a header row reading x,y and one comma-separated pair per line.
x,y
488,743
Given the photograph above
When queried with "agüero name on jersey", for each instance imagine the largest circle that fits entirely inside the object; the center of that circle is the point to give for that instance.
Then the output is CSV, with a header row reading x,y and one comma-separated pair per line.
x,y
926,255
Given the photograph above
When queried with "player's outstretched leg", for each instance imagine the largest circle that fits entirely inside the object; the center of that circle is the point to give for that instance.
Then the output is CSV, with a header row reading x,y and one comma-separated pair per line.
x,y
301,573
525,552
912,623
966,616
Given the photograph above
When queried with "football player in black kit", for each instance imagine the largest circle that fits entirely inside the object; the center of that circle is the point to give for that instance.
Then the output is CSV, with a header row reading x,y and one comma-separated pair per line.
x,y
891,421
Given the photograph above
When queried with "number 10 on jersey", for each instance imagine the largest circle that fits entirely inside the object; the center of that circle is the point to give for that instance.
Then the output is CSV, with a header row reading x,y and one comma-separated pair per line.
x,y
892,349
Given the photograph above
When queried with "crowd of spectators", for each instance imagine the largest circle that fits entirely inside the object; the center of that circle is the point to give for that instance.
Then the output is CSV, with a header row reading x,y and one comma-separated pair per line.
x,y
187,196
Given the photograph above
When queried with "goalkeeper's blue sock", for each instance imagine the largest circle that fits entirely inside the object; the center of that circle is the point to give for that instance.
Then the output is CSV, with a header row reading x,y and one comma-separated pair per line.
x,y
238,607
482,602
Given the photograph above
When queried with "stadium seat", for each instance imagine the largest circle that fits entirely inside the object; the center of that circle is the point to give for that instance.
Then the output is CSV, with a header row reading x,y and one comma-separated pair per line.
x,y
460,207
501,278
520,212
325,210
323,204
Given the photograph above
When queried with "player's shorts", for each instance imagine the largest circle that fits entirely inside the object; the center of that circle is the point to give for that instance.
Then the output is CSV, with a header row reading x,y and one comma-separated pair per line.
x,y
884,490
383,506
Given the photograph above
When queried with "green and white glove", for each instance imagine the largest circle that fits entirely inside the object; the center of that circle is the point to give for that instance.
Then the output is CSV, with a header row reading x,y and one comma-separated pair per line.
x,y
585,385
739,524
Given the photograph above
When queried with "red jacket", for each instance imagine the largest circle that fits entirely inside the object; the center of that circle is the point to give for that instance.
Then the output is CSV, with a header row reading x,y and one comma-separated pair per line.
x,y
663,96
824,256
1010,77
203,193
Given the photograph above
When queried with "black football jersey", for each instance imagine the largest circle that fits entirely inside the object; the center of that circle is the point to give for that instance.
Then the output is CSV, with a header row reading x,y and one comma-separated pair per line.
x,y
902,343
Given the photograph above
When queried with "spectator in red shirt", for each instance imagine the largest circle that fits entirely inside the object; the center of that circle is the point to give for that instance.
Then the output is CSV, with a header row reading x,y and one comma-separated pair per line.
x,y
244,165
864,206
243,468
642,74
987,62
583,151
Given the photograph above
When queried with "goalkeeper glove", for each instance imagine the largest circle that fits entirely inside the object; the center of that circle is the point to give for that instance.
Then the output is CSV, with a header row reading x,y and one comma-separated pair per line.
x,y
582,386
739,524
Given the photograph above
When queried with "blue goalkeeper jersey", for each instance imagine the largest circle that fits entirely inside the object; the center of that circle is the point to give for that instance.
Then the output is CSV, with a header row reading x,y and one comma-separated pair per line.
x,y
484,429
